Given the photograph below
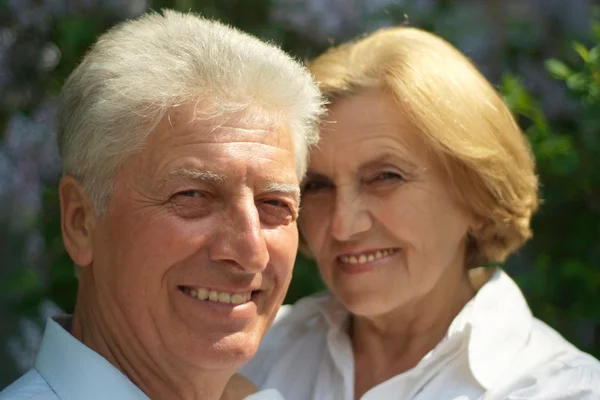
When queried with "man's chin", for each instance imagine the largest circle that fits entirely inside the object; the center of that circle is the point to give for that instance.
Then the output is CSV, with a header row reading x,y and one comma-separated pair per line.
x,y
229,351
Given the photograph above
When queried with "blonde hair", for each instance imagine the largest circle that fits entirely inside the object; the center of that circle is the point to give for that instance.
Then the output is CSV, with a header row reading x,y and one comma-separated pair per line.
x,y
140,69
461,118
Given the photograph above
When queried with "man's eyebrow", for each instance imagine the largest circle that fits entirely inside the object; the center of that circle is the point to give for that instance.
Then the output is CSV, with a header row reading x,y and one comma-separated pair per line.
x,y
287,188
198,174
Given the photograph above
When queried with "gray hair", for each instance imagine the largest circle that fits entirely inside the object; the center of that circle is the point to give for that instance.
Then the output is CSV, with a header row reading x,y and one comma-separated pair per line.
x,y
140,69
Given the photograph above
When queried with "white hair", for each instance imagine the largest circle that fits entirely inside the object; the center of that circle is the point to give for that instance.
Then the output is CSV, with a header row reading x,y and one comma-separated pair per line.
x,y
140,69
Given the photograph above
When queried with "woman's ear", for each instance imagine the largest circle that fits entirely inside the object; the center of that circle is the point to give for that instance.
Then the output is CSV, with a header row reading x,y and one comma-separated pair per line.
x,y
477,224
77,221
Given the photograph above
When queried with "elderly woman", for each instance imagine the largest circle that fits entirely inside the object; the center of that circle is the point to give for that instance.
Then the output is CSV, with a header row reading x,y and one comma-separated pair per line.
x,y
421,177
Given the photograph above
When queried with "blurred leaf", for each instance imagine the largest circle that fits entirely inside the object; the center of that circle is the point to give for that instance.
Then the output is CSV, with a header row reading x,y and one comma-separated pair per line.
x,y
577,81
558,69
582,51
522,103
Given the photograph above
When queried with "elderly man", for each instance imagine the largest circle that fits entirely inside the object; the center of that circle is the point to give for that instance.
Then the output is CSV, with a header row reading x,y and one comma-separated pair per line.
x,y
183,142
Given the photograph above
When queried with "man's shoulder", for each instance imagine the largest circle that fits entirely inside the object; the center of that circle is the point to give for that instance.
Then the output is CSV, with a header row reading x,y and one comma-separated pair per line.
x,y
30,386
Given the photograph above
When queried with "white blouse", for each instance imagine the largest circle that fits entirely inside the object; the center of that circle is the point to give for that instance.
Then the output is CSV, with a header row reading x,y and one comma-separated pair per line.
x,y
494,350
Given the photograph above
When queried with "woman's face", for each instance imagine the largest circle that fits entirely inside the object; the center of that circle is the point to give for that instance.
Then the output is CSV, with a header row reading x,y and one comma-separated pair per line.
x,y
376,212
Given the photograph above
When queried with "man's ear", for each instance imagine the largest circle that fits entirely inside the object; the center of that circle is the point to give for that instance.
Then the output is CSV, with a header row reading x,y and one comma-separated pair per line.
x,y
77,219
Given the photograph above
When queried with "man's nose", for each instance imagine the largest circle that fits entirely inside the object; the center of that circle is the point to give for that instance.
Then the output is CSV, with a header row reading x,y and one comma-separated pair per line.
x,y
241,241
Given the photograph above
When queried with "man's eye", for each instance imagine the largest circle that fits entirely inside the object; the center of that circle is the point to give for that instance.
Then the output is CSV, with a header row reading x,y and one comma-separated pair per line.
x,y
189,193
276,203
276,212
191,203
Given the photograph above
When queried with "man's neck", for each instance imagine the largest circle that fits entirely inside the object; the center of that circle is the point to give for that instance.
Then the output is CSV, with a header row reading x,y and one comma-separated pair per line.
x,y
159,377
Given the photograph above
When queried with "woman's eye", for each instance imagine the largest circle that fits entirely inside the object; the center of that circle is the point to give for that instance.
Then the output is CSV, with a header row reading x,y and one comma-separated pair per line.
x,y
315,186
387,176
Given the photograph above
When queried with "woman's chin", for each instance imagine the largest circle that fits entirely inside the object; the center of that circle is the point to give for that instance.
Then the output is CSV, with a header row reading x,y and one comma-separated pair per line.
x,y
367,305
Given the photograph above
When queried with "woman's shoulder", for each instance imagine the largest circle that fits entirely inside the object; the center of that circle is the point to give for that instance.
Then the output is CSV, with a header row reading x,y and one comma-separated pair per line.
x,y
550,367
309,314
298,329
572,375
514,355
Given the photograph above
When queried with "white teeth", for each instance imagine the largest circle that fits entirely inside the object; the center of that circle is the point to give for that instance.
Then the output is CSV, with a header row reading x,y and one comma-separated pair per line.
x,y
364,258
224,298
218,297
237,298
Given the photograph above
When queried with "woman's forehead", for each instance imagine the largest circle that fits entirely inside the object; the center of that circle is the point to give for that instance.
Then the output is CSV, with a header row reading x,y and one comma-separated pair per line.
x,y
367,127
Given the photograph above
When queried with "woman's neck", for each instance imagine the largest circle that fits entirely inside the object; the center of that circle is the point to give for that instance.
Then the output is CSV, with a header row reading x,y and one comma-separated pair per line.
x,y
390,344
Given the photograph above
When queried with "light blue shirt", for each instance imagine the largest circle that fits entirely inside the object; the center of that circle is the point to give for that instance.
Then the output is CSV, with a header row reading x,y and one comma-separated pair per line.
x,y
66,369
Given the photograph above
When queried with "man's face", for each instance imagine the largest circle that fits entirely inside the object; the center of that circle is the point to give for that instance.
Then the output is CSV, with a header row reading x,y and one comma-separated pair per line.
x,y
207,208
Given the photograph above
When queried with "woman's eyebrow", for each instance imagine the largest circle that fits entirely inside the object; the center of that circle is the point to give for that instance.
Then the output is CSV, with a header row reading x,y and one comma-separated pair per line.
x,y
316,175
387,158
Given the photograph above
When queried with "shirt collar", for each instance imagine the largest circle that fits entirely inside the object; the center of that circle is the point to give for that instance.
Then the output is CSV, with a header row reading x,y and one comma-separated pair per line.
x,y
74,371
496,324
500,328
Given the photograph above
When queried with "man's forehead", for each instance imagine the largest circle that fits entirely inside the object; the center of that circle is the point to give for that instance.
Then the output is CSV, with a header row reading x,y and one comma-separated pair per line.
x,y
247,123
221,149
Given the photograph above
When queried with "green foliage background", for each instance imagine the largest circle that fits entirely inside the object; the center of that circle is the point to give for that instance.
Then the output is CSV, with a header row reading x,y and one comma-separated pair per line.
x,y
559,268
